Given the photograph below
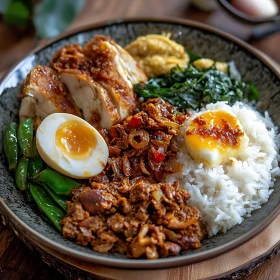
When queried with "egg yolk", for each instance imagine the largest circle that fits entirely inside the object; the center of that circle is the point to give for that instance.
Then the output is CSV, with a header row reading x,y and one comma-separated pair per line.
x,y
75,139
214,136
214,129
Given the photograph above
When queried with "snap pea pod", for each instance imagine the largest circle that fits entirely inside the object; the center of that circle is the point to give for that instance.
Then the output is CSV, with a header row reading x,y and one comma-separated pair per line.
x,y
21,173
25,137
59,199
59,183
10,143
36,164
46,205
27,194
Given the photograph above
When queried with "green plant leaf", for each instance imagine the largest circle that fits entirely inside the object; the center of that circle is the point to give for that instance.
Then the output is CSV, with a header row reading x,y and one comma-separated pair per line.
x,y
52,17
4,4
193,88
17,13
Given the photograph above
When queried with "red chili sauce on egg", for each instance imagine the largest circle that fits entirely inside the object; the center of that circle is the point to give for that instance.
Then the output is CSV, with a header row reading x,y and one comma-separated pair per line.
x,y
226,132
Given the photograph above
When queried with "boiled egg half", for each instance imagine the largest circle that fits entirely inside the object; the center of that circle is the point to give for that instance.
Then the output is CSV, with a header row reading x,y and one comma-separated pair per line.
x,y
71,146
212,137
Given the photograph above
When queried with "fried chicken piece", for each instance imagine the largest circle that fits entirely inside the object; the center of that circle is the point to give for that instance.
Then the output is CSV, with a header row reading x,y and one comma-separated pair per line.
x,y
43,94
100,78
94,101
115,70
91,97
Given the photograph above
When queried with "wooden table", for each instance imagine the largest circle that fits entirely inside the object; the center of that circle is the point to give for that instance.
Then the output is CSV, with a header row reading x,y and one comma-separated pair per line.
x,y
16,262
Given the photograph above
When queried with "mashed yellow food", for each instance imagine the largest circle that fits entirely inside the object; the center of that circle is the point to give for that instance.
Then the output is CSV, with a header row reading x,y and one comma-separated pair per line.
x,y
157,54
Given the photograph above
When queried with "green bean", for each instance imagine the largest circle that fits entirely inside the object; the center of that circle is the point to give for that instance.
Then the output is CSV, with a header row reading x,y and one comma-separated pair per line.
x,y
25,137
59,183
36,164
21,173
46,205
10,143
59,199
27,194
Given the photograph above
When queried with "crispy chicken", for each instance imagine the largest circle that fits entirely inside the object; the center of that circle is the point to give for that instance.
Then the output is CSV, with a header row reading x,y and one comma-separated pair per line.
x,y
93,100
43,94
100,78
115,70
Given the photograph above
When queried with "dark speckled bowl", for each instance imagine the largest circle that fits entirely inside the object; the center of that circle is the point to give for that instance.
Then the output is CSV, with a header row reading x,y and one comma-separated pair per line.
x,y
209,42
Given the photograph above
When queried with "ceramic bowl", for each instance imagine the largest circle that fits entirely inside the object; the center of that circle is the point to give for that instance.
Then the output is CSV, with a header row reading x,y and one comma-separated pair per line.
x,y
209,42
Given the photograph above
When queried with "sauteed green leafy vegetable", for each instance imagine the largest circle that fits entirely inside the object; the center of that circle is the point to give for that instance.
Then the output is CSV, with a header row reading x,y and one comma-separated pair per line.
x,y
193,88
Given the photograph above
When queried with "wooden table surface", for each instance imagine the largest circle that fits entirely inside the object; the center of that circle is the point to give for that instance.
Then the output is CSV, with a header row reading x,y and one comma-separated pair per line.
x,y
16,262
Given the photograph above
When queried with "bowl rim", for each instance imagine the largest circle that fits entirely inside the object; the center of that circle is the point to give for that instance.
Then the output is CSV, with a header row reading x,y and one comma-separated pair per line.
x,y
131,263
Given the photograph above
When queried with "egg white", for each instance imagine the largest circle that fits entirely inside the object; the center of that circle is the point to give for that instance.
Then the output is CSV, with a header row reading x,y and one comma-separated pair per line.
x,y
90,165
215,156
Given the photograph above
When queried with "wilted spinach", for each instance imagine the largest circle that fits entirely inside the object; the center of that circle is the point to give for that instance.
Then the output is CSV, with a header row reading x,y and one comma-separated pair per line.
x,y
193,88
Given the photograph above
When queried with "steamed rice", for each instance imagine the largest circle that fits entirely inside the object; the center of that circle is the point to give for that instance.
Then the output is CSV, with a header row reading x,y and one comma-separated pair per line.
x,y
227,193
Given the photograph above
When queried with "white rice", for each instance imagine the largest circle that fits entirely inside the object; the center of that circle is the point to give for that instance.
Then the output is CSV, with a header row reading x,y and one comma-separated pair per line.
x,y
227,193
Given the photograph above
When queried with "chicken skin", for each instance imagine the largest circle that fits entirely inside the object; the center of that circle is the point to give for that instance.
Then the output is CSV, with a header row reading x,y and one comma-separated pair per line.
x,y
116,71
43,94
100,78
